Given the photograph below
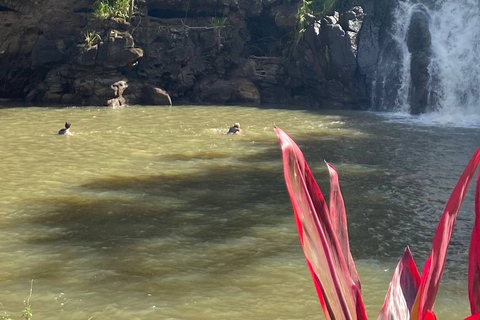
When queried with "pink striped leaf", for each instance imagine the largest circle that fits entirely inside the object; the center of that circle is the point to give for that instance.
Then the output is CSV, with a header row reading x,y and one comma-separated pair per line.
x,y
435,264
338,217
402,290
474,258
339,295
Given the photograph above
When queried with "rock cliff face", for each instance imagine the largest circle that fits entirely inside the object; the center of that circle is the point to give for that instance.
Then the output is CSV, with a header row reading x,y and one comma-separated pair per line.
x,y
219,51
419,44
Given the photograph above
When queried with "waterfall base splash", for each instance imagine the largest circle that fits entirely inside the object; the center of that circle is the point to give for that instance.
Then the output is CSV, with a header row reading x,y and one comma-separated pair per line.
x,y
452,89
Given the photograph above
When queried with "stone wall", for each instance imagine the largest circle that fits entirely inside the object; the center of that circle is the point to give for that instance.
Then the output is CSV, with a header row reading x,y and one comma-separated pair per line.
x,y
219,51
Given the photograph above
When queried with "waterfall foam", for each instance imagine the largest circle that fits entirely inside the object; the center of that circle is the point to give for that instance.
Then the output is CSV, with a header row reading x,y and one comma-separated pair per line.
x,y
454,69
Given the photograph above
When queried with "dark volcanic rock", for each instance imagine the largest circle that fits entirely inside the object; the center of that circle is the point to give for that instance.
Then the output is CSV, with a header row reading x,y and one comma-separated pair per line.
x,y
212,51
118,50
228,91
419,44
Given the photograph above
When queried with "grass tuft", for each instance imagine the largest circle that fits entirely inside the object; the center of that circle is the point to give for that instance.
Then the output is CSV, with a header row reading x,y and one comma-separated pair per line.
x,y
104,9
91,38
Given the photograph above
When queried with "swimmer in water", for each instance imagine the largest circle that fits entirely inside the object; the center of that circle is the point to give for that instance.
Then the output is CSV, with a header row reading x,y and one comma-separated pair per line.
x,y
66,131
235,129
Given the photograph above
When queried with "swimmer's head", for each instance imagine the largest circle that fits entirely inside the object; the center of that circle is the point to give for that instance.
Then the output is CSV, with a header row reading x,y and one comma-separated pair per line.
x,y
67,125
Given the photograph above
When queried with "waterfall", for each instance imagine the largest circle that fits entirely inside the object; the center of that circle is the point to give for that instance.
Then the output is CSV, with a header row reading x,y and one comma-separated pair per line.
x,y
452,75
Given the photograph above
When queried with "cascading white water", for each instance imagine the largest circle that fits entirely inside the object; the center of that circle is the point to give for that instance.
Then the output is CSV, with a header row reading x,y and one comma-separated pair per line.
x,y
454,87
400,27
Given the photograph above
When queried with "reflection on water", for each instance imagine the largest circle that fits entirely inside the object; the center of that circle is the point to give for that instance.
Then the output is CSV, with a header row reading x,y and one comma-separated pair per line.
x,y
156,212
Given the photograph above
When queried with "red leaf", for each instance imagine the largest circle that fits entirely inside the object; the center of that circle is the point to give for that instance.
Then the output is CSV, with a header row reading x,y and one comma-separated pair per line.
x,y
474,258
338,218
337,291
402,290
474,317
430,316
433,270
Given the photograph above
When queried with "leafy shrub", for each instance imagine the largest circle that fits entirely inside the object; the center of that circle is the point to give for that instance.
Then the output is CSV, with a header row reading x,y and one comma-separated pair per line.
x,y
324,239
91,38
104,9
121,8
218,24
317,9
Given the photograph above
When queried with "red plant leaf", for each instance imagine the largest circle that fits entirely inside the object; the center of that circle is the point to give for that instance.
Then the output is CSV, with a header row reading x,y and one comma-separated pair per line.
x,y
338,293
474,258
474,317
402,290
433,270
430,316
338,217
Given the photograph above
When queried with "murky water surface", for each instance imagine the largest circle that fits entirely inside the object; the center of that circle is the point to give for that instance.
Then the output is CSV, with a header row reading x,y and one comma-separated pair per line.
x,y
156,213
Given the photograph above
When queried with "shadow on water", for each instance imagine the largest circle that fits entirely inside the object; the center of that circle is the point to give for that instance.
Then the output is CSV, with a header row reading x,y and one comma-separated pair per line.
x,y
209,210
217,203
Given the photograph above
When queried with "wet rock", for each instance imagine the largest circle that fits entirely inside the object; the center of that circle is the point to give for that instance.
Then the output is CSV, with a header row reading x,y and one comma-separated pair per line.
x,y
69,98
341,52
246,92
118,51
352,19
118,88
285,16
419,44
368,52
108,88
51,97
86,56
47,51
156,96
84,87
228,91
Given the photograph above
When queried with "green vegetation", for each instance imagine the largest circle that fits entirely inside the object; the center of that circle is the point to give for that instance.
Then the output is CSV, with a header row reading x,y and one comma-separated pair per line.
x,y
104,9
91,38
218,24
321,8
324,7
27,313
303,14
314,9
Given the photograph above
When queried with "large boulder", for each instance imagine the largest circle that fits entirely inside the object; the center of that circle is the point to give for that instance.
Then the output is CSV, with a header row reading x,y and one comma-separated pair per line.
x,y
118,50
118,88
48,51
86,56
368,52
340,38
419,43
156,96
100,89
285,16
228,91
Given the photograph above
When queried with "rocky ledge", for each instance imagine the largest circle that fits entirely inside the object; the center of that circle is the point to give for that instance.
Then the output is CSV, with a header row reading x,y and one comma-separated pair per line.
x,y
219,51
